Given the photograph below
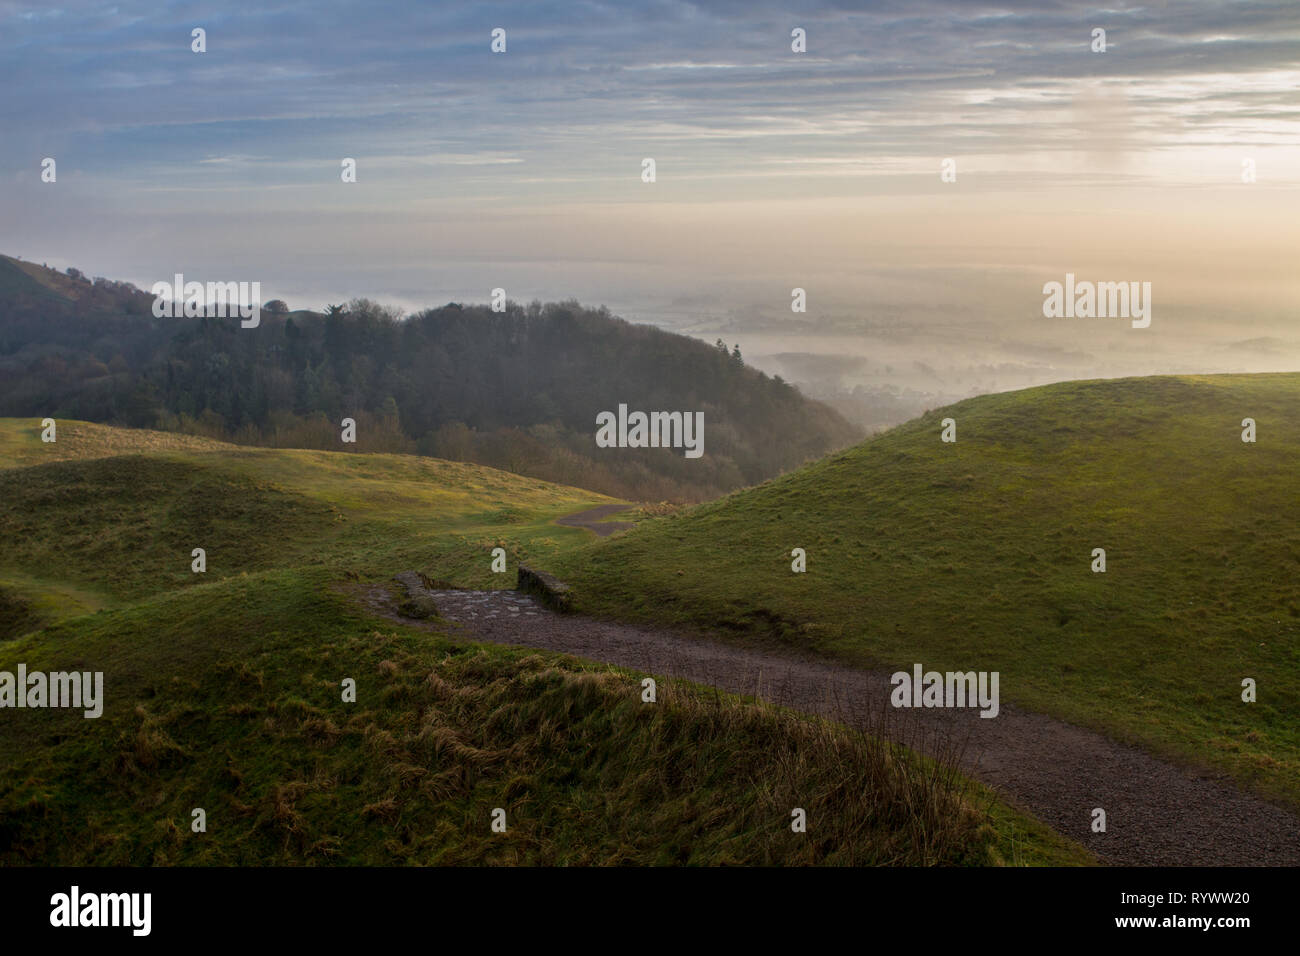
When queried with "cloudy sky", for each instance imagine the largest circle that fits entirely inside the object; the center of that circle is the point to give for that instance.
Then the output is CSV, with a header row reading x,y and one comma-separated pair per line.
x,y
775,169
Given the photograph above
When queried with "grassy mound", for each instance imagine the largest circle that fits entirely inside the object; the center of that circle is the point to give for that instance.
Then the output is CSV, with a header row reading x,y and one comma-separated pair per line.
x,y
227,697
118,512
978,555
129,525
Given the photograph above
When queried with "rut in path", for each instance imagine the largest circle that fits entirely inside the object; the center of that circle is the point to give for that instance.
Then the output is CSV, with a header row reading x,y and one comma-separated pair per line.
x,y
1156,812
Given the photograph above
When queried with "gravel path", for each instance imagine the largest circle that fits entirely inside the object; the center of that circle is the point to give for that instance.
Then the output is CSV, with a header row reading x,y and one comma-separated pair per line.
x,y
590,519
1156,813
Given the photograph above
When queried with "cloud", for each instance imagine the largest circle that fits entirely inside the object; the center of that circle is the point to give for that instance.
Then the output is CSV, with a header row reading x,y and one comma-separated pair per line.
x,y
775,169
706,84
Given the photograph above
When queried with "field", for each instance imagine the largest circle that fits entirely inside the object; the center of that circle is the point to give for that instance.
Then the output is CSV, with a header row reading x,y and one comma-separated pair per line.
x,y
978,555
223,689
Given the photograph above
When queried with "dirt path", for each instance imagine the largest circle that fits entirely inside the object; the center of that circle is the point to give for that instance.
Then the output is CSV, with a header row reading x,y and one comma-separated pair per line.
x,y
590,519
1156,813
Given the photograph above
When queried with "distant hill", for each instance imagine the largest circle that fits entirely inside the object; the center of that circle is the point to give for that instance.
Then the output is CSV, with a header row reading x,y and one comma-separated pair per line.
x,y
519,390
980,555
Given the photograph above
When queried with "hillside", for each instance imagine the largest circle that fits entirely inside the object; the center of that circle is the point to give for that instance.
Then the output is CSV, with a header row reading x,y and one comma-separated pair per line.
x,y
518,390
978,555
117,512
222,688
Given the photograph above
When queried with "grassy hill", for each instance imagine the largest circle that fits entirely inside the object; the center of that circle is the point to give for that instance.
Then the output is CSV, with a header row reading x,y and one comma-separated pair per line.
x,y
978,554
18,278
118,511
223,689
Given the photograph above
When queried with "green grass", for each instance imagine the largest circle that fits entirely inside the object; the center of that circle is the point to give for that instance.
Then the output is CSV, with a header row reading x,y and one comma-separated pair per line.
x,y
27,278
977,555
223,689
116,513
227,697
21,445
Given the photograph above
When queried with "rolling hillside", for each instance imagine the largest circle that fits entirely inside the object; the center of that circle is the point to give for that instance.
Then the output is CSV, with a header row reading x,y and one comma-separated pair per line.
x,y
222,689
978,555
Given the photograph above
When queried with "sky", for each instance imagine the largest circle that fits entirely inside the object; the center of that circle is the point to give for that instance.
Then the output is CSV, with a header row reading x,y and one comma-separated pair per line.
x,y
775,169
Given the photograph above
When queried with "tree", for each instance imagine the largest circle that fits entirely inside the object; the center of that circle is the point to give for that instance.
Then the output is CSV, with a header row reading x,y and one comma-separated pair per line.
x,y
276,307
735,354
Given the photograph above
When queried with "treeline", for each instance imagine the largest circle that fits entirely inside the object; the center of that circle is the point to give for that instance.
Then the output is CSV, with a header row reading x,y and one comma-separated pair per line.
x,y
517,390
